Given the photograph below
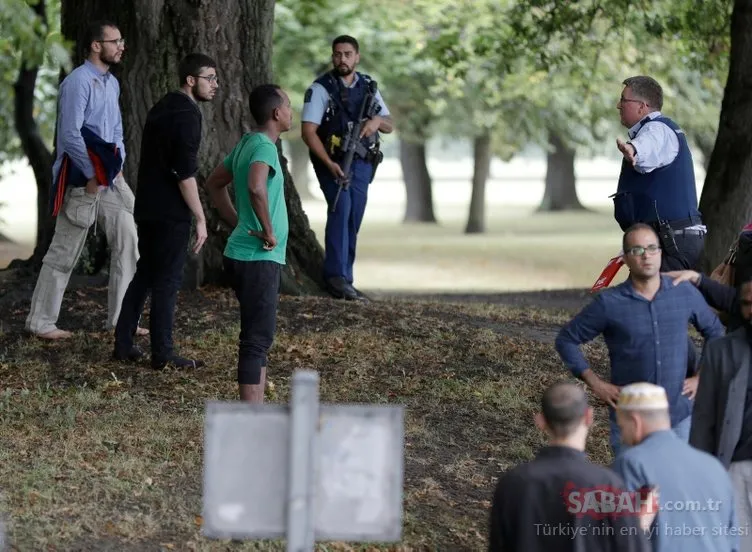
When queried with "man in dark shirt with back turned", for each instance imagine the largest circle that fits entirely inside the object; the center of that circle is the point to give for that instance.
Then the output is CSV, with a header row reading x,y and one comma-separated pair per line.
x,y
166,197
539,506
644,321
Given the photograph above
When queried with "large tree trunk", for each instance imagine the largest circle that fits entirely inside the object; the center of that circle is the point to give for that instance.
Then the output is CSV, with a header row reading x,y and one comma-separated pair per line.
x,y
238,35
419,205
561,190
35,150
476,221
299,159
726,202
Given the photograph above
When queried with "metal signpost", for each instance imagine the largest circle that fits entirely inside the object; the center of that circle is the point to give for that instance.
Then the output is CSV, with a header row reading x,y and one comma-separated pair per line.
x,y
306,472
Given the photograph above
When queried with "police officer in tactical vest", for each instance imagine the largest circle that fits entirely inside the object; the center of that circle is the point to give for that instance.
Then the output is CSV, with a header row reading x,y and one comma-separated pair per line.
x,y
657,181
332,106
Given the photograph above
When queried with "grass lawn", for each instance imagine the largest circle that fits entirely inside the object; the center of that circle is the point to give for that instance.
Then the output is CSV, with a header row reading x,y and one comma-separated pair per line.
x,y
520,250
98,455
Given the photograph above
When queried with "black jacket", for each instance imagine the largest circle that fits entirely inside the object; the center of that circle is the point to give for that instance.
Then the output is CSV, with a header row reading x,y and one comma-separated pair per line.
x,y
107,162
718,414
532,508
723,298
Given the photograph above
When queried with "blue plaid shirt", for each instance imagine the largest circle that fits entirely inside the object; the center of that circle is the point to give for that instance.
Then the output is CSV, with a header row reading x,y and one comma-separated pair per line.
x,y
646,340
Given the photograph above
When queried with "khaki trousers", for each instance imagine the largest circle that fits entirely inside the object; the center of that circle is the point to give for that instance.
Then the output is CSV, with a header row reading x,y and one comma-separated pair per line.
x,y
741,480
111,207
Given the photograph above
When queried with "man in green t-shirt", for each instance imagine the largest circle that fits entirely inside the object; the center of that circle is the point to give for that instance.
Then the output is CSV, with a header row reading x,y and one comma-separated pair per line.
x,y
255,250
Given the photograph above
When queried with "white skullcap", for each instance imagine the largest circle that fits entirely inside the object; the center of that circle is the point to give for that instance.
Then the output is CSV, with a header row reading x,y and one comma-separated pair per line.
x,y
642,396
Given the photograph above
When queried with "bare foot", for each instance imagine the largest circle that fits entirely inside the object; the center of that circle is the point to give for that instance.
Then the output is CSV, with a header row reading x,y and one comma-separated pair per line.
x,y
56,334
142,331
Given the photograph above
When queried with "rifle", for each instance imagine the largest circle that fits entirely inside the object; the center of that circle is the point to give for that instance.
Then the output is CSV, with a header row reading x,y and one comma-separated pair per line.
x,y
351,141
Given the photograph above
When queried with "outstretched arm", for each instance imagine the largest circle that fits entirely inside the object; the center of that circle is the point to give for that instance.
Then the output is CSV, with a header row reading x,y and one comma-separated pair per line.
x,y
703,318
719,296
655,146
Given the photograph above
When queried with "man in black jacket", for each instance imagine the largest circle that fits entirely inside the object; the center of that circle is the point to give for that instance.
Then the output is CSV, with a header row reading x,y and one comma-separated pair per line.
x,y
553,503
722,416
719,296
166,198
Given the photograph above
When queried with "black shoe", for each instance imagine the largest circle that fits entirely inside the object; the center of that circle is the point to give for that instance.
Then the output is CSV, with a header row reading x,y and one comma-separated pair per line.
x,y
179,363
360,295
340,289
134,355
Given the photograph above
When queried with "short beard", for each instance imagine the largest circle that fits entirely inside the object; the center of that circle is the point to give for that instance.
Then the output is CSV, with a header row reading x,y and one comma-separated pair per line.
x,y
108,62
197,95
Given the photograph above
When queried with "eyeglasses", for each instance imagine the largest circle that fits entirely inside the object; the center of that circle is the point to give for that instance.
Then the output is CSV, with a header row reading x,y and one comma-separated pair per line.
x,y
116,41
210,78
625,100
639,251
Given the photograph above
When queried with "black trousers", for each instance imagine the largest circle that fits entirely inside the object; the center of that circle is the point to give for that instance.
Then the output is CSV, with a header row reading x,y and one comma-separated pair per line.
x,y
162,249
256,285
690,246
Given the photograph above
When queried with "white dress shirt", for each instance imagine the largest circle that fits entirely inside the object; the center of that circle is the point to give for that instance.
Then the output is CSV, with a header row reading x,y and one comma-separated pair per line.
x,y
656,145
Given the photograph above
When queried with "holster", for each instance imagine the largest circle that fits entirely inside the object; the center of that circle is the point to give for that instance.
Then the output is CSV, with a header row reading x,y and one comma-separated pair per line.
x,y
377,156
668,242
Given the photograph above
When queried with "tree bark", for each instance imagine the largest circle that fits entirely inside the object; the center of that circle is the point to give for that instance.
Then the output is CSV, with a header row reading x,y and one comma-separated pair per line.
x,y
304,272
561,190
705,146
238,35
419,205
476,222
299,160
726,201
36,152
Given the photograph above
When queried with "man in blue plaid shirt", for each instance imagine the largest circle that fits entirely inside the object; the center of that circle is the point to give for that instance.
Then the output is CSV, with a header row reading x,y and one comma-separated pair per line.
x,y
644,322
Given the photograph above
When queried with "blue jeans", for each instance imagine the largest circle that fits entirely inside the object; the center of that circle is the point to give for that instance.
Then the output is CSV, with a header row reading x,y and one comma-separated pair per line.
x,y
681,429
342,226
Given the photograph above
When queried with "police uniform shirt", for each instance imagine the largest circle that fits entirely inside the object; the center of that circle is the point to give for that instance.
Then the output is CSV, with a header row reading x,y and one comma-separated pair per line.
x,y
656,146
317,100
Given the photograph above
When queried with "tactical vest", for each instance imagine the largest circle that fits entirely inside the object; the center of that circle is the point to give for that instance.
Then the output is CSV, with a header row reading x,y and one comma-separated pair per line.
x,y
667,193
344,106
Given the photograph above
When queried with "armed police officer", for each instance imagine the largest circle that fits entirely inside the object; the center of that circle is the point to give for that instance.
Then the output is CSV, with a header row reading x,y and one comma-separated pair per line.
x,y
343,113
657,181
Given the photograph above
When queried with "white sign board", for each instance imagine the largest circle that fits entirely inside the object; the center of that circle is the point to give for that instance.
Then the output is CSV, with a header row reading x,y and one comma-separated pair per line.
x,y
358,472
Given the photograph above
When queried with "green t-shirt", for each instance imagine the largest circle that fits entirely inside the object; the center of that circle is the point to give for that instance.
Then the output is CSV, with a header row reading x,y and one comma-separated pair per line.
x,y
252,148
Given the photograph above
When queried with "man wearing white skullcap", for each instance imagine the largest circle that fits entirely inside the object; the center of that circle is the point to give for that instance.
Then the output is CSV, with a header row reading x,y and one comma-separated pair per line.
x,y
696,501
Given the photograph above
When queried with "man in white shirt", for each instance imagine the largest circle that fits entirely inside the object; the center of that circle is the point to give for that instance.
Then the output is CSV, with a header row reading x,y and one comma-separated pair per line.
x,y
657,180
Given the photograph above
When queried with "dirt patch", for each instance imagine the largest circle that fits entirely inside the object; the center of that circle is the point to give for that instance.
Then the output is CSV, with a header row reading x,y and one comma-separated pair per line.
x,y
567,300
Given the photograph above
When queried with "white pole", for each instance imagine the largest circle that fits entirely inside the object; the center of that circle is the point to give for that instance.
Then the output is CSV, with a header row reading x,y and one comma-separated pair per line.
x,y
303,422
